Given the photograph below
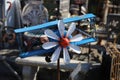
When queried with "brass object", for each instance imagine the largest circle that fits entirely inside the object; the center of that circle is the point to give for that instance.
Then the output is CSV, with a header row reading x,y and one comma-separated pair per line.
x,y
115,62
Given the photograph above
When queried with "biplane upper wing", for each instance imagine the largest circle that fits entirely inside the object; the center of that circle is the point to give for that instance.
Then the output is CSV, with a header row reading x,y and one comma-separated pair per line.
x,y
52,23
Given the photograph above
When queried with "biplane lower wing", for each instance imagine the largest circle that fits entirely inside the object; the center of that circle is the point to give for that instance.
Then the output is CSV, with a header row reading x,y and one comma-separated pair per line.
x,y
43,51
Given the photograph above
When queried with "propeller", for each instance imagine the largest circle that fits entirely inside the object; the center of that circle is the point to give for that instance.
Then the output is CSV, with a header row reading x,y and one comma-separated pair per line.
x,y
71,29
61,27
49,45
63,42
75,48
51,34
77,37
56,54
66,55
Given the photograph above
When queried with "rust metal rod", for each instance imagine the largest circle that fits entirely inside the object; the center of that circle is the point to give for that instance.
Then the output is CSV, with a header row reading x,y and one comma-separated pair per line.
x,y
58,69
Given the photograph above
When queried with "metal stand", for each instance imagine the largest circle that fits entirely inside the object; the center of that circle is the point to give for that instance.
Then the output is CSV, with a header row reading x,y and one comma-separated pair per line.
x,y
3,57
58,17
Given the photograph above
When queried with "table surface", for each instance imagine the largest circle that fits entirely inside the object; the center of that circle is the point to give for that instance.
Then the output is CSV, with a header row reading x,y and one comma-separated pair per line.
x,y
40,61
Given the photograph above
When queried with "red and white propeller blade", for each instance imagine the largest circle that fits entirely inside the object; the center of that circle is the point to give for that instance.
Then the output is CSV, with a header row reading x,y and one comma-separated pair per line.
x,y
71,29
56,54
75,48
51,34
66,55
49,45
61,27
77,37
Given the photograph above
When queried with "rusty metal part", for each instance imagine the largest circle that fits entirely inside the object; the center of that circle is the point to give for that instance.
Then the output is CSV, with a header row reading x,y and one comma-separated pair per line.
x,y
115,63
10,38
